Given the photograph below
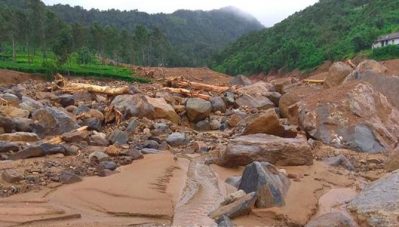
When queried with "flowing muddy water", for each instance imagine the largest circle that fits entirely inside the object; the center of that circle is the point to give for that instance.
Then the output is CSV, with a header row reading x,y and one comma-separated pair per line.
x,y
200,196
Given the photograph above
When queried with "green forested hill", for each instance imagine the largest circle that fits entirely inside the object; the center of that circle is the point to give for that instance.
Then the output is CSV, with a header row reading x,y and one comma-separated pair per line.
x,y
184,38
194,35
328,30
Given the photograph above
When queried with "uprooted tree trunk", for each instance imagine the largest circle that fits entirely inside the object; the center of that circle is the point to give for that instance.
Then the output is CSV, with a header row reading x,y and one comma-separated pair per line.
x,y
67,86
181,83
187,93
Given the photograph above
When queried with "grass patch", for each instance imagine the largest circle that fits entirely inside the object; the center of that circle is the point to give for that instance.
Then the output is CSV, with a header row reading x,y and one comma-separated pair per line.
x,y
71,68
385,53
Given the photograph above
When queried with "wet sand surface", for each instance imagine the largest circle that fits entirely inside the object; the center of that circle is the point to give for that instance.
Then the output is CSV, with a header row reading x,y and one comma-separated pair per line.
x,y
144,192
160,190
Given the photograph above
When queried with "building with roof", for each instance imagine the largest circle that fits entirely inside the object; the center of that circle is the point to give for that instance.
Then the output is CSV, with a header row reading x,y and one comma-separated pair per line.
x,y
386,40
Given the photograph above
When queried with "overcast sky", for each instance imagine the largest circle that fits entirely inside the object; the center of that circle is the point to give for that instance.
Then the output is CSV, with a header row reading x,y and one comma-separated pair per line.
x,y
268,12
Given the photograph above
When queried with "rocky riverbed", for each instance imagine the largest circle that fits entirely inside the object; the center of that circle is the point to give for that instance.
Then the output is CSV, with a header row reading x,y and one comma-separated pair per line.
x,y
285,152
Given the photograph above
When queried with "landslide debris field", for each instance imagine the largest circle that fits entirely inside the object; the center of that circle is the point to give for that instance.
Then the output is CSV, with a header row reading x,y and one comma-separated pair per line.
x,y
197,148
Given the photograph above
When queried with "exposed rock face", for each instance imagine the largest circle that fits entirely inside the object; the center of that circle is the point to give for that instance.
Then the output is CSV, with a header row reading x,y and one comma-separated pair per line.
x,y
143,106
198,109
270,185
288,102
51,121
238,208
244,150
354,116
337,74
376,74
378,204
331,220
267,123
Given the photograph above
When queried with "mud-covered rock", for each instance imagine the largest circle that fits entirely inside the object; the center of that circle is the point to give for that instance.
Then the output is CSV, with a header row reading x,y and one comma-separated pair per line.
x,y
337,74
270,185
225,222
143,106
267,123
177,139
12,176
218,104
378,203
244,150
203,125
75,136
68,177
6,147
12,112
376,74
98,156
30,104
98,139
39,150
255,101
52,121
66,100
119,137
331,220
238,208
198,109
354,116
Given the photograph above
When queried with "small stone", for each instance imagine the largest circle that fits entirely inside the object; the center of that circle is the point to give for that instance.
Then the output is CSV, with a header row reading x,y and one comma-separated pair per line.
x,y
152,144
11,176
135,154
215,124
224,222
203,125
340,160
177,139
149,151
66,100
110,165
119,137
98,139
133,123
8,147
75,136
98,156
67,177
198,109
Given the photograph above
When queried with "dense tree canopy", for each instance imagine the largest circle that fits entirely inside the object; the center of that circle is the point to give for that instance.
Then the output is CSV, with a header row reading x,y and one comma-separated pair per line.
x,y
184,38
329,30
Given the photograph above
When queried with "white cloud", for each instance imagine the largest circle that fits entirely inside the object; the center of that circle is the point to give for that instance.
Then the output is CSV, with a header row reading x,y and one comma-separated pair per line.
x,y
268,12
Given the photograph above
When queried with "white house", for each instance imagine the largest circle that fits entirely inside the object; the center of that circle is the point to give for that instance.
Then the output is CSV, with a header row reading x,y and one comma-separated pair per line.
x,y
385,40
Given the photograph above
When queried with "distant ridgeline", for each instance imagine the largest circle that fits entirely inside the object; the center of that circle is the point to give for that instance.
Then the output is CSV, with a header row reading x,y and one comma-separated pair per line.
x,y
183,38
328,30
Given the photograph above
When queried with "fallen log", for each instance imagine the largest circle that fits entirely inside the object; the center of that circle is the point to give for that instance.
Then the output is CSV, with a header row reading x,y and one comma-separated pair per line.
x,y
314,81
71,87
187,93
180,83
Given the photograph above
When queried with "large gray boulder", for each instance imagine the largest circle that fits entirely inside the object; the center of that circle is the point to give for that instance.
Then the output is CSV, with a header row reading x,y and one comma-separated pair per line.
x,y
270,185
244,150
378,204
52,121
377,75
143,106
353,116
198,109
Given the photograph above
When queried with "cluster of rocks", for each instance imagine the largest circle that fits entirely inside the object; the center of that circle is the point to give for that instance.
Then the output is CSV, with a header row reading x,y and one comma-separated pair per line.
x,y
257,125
